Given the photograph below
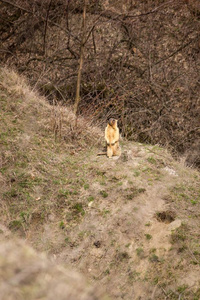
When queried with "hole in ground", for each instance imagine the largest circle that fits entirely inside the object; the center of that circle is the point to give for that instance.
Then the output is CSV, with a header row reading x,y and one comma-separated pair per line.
x,y
167,216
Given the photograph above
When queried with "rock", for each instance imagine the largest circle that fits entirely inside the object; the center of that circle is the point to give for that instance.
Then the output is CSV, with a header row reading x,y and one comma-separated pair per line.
x,y
174,225
170,171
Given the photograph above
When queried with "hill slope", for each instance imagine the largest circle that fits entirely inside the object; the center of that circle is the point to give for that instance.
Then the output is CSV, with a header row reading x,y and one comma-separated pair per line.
x,y
130,224
26,274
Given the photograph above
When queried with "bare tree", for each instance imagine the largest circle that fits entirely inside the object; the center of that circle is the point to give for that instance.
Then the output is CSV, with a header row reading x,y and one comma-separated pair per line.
x,y
82,45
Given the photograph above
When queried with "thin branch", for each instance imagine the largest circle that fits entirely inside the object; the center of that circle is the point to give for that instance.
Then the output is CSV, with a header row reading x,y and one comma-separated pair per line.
x,y
173,53
91,30
45,27
115,16
178,50
149,12
67,13
17,6
94,44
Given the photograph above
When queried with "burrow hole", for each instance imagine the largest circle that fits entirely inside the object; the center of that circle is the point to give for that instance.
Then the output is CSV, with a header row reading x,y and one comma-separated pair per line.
x,y
167,216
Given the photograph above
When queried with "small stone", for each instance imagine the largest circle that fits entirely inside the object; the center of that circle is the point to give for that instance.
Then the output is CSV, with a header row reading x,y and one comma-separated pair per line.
x,y
175,224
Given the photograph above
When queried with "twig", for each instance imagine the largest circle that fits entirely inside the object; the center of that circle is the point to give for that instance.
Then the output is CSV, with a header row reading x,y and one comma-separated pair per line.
x,y
154,290
93,40
193,255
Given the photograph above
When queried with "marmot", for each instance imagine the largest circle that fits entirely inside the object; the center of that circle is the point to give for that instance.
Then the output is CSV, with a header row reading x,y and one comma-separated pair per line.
x,y
112,138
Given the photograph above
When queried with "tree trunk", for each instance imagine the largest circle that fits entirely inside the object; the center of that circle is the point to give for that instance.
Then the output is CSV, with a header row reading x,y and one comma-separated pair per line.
x,y
77,99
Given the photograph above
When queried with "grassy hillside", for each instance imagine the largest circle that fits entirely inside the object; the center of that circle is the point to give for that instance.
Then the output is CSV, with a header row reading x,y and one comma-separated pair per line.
x,y
131,225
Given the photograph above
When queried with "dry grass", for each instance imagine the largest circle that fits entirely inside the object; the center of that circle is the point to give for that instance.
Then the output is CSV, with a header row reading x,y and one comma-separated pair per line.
x,y
57,119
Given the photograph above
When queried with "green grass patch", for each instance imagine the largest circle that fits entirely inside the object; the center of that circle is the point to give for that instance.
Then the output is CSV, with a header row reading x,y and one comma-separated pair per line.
x,y
90,199
140,252
15,225
104,194
86,186
148,236
78,208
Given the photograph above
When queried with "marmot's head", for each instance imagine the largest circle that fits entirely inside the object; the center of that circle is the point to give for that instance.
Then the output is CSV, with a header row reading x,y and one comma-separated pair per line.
x,y
112,122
